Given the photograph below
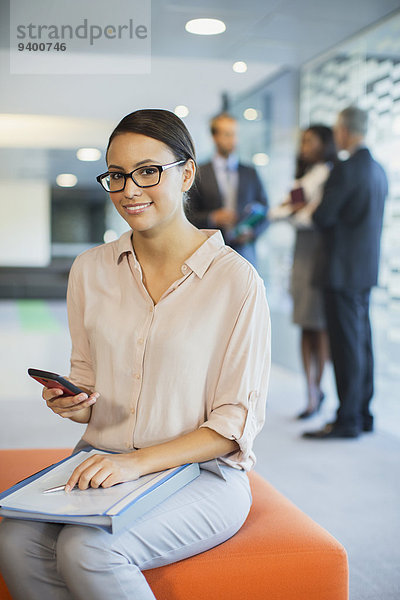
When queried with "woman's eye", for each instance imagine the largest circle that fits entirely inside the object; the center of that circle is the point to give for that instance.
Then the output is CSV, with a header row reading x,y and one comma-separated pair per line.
x,y
148,171
115,176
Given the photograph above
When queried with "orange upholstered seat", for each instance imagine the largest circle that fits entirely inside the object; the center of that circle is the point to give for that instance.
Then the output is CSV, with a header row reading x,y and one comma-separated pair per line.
x,y
279,553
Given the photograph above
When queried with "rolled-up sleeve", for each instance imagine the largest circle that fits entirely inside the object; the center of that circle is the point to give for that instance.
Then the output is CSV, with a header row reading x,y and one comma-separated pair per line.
x,y
81,372
238,406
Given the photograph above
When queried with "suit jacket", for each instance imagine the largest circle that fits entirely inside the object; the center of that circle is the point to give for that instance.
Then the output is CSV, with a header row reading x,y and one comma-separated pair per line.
x,y
206,197
350,216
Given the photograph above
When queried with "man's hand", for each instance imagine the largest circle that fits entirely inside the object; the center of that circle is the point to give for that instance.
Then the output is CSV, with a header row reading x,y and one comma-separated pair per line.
x,y
245,237
224,217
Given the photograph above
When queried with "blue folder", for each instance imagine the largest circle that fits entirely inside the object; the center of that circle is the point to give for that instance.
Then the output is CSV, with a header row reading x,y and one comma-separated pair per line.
x,y
119,505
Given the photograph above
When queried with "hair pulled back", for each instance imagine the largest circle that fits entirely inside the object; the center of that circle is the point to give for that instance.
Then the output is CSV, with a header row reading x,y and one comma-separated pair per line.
x,y
161,125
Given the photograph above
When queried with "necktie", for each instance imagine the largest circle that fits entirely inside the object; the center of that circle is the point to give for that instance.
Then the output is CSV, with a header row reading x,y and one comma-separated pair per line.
x,y
230,189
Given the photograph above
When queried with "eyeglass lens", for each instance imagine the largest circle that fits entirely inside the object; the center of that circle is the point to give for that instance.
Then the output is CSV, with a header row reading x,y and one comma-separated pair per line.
x,y
144,177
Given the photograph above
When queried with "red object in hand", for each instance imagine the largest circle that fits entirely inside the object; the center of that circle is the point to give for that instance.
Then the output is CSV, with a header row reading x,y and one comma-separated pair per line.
x,y
297,199
52,380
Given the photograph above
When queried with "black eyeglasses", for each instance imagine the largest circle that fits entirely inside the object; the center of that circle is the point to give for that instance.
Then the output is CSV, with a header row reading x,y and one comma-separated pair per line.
x,y
144,177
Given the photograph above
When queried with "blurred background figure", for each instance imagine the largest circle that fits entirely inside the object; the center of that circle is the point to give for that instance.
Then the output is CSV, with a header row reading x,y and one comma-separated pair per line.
x,y
229,195
350,216
315,161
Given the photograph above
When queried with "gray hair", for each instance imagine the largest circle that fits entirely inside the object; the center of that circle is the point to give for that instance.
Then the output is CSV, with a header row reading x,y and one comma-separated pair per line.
x,y
355,120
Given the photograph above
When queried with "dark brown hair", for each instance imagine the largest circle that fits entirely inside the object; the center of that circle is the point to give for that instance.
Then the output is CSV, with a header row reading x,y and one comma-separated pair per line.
x,y
161,125
328,153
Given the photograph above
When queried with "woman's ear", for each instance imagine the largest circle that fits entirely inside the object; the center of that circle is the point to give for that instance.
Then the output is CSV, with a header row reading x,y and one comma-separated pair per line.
x,y
188,175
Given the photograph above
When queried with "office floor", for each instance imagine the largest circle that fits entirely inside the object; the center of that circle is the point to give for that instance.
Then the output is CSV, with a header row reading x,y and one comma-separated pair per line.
x,y
350,487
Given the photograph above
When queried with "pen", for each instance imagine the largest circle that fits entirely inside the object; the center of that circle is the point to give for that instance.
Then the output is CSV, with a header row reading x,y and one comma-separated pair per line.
x,y
58,488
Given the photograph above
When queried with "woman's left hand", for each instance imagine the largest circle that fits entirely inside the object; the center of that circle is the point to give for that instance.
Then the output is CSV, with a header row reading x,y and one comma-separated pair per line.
x,y
104,470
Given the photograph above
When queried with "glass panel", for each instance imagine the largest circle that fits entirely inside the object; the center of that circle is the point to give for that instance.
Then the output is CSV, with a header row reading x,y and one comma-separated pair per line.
x,y
366,72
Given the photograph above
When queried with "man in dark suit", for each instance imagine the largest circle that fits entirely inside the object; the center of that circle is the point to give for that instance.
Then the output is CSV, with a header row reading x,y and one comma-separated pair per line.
x,y
228,193
350,216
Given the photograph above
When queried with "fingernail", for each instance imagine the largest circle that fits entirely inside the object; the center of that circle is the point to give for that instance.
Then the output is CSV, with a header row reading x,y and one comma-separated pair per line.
x,y
67,488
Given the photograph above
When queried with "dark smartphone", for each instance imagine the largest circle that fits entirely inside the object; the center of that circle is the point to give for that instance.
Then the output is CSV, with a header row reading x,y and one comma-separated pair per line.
x,y
52,380
297,199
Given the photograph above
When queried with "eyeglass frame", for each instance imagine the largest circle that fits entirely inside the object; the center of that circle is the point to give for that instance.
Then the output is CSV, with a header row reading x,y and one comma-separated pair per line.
x,y
160,168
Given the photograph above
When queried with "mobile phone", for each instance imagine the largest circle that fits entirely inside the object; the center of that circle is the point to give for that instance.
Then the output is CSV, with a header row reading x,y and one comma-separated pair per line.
x,y
52,380
297,199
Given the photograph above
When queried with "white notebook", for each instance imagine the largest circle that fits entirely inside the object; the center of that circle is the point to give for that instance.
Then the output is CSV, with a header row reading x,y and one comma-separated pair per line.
x,y
109,508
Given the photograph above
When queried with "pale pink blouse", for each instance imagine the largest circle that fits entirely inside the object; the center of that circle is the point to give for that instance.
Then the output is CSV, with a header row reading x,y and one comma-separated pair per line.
x,y
200,357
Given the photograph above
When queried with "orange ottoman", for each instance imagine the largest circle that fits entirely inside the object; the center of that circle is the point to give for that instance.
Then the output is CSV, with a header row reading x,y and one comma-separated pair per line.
x,y
279,553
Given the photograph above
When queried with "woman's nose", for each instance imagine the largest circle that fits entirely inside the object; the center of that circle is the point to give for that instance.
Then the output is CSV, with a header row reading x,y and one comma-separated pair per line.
x,y
131,189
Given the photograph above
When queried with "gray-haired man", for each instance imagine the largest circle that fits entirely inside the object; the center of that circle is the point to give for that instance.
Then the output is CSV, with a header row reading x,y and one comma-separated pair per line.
x,y
350,216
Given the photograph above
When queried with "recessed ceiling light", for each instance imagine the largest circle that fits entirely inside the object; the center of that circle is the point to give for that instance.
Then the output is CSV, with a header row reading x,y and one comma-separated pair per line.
x,y
260,159
88,154
110,236
251,114
181,111
205,26
66,180
239,66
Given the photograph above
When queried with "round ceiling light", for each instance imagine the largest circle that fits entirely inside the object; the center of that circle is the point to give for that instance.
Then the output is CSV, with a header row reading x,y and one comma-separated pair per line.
x,y
110,236
239,66
66,180
251,114
205,26
88,154
260,159
181,111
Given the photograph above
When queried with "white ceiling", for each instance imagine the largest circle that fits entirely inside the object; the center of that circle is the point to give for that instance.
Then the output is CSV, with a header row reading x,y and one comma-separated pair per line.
x,y
282,32
270,35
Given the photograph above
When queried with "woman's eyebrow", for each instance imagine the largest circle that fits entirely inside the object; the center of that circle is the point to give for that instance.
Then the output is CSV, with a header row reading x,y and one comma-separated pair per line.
x,y
141,162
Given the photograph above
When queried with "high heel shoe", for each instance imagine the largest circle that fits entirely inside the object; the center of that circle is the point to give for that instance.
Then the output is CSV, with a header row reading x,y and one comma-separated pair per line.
x,y
306,414
310,412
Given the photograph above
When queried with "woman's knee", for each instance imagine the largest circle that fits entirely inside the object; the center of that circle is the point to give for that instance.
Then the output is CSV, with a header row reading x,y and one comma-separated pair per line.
x,y
21,540
10,542
83,549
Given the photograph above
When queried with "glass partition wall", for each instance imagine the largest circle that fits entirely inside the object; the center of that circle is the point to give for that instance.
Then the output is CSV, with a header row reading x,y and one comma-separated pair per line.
x,y
364,71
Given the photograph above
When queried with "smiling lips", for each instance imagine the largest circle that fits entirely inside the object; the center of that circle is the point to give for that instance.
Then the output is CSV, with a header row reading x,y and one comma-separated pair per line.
x,y
135,209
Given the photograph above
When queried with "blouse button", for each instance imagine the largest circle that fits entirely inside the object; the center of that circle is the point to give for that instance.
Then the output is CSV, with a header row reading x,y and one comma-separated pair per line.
x,y
140,341
184,268
137,376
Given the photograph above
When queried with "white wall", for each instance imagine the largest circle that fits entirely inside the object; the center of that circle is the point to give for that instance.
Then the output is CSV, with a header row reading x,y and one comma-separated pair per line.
x,y
24,223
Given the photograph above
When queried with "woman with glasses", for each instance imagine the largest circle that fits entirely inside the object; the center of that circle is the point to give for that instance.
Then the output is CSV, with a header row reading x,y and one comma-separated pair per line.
x,y
170,338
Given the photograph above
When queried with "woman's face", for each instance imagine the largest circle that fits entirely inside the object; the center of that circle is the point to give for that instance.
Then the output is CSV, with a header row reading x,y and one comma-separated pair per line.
x,y
146,209
311,148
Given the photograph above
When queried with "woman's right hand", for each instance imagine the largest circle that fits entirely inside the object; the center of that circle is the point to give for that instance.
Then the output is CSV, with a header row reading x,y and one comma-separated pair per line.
x,y
78,408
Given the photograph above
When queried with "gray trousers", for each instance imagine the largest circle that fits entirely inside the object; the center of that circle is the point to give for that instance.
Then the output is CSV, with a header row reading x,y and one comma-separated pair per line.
x,y
46,561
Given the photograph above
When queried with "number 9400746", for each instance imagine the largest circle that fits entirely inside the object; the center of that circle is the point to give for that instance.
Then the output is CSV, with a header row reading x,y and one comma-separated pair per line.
x,y
42,47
